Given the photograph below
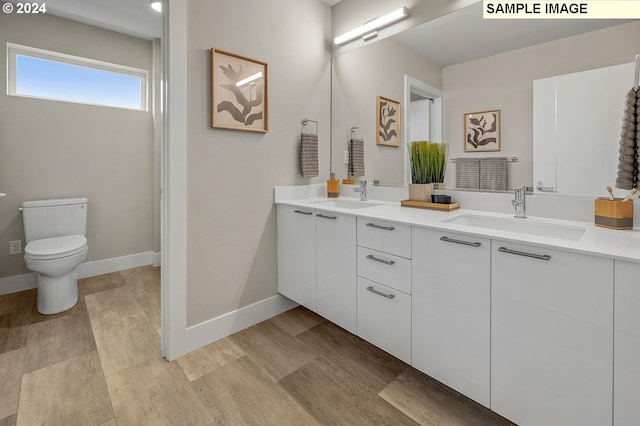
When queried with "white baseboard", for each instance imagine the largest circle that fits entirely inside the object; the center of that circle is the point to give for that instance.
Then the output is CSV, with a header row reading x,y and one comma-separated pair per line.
x,y
28,281
209,331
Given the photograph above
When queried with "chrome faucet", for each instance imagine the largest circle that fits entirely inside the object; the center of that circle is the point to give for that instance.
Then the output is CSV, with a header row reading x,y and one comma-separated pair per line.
x,y
362,190
519,202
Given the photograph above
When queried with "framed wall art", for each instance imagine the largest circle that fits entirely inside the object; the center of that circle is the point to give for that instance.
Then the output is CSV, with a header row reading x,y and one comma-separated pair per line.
x,y
482,131
387,122
238,92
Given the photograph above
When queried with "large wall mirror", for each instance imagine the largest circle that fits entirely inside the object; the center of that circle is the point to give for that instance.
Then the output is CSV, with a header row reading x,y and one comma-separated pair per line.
x,y
476,65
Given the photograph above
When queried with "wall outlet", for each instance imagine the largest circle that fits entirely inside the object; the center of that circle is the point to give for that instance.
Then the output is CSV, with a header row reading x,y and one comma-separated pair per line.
x,y
346,157
15,247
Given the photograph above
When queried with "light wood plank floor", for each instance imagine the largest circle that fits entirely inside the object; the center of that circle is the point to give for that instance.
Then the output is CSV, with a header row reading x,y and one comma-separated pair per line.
x,y
100,364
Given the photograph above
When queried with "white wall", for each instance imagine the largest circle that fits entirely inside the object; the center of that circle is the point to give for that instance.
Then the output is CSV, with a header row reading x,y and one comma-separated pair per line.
x,y
231,219
505,82
51,149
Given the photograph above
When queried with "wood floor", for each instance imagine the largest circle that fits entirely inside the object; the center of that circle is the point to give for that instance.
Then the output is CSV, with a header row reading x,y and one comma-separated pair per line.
x,y
100,364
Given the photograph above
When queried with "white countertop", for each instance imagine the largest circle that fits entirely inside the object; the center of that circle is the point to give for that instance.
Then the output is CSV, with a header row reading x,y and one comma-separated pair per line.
x,y
597,241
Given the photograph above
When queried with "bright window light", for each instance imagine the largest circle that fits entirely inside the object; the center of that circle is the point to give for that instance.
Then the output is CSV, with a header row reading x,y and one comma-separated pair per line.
x,y
49,75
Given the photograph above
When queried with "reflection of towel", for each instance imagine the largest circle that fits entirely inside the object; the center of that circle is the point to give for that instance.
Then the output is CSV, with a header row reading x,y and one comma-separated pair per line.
x,y
493,173
356,157
309,155
628,167
468,173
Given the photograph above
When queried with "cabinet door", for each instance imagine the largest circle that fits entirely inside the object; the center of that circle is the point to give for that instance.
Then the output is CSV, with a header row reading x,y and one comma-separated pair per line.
x,y
336,269
297,254
451,310
551,336
626,367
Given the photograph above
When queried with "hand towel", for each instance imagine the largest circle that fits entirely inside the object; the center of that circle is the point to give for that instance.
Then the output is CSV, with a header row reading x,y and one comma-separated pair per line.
x,y
468,173
628,168
309,155
494,174
356,157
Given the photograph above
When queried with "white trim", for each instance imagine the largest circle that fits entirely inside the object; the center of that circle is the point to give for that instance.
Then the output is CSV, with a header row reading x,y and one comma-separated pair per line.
x,y
156,259
209,331
174,181
16,49
29,280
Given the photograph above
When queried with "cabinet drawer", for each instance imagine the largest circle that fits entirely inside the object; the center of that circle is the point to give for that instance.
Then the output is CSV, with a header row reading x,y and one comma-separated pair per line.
x,y
384,318
388,237
383,268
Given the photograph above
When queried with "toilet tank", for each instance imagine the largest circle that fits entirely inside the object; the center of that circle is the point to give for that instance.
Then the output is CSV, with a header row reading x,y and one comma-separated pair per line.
x,y
54,218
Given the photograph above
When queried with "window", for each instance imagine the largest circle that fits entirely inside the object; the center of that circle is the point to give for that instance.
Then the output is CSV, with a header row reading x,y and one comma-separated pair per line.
x,y
38,73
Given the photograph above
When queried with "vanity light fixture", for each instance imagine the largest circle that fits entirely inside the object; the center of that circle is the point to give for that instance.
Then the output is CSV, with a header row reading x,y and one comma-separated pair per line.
x,y
373,25
249,79
156,5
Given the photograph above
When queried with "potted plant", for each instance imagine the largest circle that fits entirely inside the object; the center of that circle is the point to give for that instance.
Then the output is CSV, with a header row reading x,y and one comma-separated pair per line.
x,y
428,165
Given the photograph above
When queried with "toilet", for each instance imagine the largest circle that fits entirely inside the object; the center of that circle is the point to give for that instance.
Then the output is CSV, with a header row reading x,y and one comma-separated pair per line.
x,y
55,236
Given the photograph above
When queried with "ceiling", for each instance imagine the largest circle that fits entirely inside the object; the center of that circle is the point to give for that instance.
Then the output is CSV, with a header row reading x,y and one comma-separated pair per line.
x,y
133,17
464,35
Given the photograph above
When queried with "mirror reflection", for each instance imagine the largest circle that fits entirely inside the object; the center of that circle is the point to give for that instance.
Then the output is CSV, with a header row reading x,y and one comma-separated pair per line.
x,y
476,65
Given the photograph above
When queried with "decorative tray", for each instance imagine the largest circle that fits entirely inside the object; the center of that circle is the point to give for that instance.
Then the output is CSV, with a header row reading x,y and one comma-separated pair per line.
x,y
430,206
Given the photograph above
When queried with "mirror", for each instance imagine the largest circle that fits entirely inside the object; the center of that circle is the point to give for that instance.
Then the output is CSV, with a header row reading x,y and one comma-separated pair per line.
x,y
479,65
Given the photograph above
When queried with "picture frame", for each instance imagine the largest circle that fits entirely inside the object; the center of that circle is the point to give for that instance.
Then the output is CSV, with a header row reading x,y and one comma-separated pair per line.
x,y
387,122
239,95
482,131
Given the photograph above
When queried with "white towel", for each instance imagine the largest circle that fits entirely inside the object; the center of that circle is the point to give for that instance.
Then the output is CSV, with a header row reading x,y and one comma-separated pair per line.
x,y
309,155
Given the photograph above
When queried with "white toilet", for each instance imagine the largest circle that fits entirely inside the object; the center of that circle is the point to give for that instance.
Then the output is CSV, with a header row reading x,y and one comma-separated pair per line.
x,y
55,234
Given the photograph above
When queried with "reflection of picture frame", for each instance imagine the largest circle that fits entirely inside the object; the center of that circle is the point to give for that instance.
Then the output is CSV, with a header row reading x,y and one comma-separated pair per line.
x,y
482,131
387,122
238,92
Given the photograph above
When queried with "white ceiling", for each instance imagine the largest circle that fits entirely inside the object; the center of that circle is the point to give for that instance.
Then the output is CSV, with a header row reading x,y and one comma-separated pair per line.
x,y
133,17
464,35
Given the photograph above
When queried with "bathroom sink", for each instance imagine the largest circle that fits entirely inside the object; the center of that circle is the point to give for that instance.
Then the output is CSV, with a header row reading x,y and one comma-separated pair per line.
x,y
522,226
347,204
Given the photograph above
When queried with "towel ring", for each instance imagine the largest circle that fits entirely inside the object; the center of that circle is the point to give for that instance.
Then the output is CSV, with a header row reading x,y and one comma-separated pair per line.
x,y
353,131
305,121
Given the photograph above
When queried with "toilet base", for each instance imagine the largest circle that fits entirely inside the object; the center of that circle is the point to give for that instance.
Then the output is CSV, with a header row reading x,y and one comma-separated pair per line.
x,y
57,294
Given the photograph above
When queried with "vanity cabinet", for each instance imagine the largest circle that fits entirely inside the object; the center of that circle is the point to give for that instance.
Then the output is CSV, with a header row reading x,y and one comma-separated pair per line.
x,y
551,336
384,286
451,310
626,367
297,254
336,268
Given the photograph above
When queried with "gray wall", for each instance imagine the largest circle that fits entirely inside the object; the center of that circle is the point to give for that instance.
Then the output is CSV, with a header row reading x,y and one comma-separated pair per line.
x,y
507,84
231,219
51,149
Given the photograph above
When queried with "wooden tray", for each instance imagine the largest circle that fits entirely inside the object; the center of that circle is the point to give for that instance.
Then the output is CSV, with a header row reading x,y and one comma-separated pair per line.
x,y
430,206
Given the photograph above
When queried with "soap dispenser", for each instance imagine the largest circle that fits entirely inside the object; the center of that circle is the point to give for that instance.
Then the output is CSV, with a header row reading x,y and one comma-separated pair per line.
x,y
333,186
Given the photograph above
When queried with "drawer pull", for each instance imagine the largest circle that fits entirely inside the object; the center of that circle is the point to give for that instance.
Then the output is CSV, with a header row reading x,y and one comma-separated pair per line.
x,y
524,253
377,259
303,212
466,243
327,217
379,293
386,228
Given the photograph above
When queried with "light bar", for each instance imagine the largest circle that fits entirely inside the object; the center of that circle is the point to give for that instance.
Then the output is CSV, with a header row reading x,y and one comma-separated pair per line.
x,y
249,79
373,25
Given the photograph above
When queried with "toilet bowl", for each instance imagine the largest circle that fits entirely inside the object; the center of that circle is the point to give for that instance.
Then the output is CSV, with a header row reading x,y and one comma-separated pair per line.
x,y
56,260
55,232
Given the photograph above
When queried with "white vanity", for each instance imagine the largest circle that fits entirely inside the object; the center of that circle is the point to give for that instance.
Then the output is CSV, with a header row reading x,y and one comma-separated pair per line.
x,y
519,322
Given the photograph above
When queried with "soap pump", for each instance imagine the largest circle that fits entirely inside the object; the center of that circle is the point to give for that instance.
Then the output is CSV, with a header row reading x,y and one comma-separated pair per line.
x,y
333,186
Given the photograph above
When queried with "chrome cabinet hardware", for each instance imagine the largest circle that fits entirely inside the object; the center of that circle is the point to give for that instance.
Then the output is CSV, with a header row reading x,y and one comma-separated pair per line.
x,y
466,243
386,228
379,293
524,253
326,217
303,212
377,259
540,187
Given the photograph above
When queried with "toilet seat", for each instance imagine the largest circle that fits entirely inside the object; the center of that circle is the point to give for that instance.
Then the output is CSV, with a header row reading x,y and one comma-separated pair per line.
x,y
55,248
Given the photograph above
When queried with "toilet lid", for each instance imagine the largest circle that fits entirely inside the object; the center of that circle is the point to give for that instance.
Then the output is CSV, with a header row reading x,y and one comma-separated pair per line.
x,y
56,247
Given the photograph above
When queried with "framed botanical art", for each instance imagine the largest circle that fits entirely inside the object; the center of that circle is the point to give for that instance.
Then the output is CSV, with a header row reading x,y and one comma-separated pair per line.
x,y
387,122
238,92
482,131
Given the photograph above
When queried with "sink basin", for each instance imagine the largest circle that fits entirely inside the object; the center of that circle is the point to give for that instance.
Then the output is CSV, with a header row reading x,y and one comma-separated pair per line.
x,y
346,204
522,226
